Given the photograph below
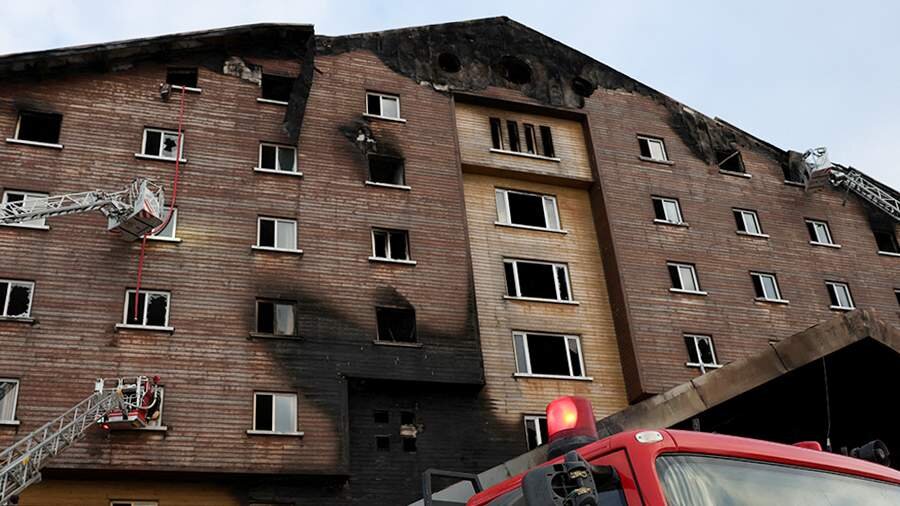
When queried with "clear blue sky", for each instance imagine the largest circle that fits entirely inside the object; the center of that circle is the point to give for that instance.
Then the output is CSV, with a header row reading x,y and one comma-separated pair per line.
x,y
798,74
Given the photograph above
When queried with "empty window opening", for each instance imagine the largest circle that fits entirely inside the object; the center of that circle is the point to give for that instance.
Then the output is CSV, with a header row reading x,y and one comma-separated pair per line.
x,y
667,210
515,70
380,104
162,143
527,209
548,354
766,286
15,298
731,162
496,133
275,317
537,280
512,131
277,233
396,325
43,127
819,232
582,87
684,277
182,76
535,431
701,352
277,88
886,239
26,201
409,444
652,148
547,142
449,63
168,232
9,394
839,294
390,244
277,158
152,309
381,416
383,443
747,222
530,139
275,412
386,170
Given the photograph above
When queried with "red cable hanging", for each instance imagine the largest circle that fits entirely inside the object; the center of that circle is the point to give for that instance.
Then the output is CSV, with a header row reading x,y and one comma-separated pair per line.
x,y
137,289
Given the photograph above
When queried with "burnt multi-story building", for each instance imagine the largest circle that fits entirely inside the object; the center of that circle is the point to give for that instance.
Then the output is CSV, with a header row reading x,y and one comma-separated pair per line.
x,y
387,252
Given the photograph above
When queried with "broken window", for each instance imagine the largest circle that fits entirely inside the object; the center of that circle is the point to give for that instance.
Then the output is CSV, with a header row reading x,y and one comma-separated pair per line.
x,y
731,162
275,412
667,210
839,294
747,222
277,88
275,317
496,133
397,325
548,354
535,430
162,144
182,76
277,158
152,309
25,201
886,239
381,416
527,209
818,232
537,280
652,148
530,139
15,298
512,132
9,394
168,232
42,127
701,352
383,443
766,286
547,142
684,277
390,244
276,233
382,105
386,170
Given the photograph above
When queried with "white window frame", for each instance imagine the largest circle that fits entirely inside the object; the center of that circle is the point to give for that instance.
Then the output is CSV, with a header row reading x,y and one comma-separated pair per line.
x,y
9,286
504,217
567,338
16,140
680,267
293,432
147,294
668,220
277,169
712,349
158,155
754,217
275,303
650,143
40,223
15,405
556,266
535,421
259,221
173,221
765,297
387,249
832,287
821,229
381,98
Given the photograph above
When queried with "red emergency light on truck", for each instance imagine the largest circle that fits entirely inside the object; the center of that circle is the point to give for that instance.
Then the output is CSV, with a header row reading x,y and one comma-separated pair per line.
x,y
683,468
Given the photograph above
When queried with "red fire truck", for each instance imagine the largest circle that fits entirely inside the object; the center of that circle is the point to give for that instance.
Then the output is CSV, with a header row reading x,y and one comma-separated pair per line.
x,y
683,468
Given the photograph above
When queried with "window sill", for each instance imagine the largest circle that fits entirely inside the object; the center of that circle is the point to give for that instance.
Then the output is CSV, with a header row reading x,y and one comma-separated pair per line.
x,y
794,183
841,308
529,227
155,428
526,155
397,344
773,301
392,261
825,244
262,335
389,185
163,239
748,234
279,172
190,89
550,301
32,227
272,432
670,223
703,366
735,174
889,254
129,326
270,101
552,376
387,118
18,319
688,292
277,250
159,158
11,423
654,160
34,143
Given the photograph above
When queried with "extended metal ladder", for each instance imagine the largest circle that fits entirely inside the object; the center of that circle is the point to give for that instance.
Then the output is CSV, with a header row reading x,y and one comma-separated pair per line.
x,y
819,170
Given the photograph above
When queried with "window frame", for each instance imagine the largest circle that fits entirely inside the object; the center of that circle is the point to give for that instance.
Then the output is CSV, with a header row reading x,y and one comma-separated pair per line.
x,y
832,286
555,265
415,343
173,221
259,163
294,423
15,404
650,140
162,132
535,419
381,96
16,140
665,220
258,246
147,294
402,168
813,227
389,232
567,338
895,244
178,69
764,298
544,199
9,286
4,199
749,212
679,266
258,333
695,340
265,100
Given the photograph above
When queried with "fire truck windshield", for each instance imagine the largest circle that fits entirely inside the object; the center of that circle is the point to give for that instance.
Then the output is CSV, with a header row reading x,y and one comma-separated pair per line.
x,y
697,480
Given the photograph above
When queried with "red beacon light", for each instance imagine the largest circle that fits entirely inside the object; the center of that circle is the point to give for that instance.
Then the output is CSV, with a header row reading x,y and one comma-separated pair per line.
x,y
570,424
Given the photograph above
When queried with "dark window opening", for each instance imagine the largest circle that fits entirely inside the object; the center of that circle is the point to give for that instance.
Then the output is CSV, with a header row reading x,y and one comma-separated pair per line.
x,y
267,233
510,279
373,104
496,133
526,209
536,280
407,418
39,127
409,444
157,308
658,210
152,309
386,170
897,294
536,431
263,419
383,443
645,147
512,130
396,324
547,142
391,244
700,350
449,62
181,76
515,70
674,276
886,240
15,298
548,355
731,161
275,318
132,317
582,87
381,416
277,87
758,287
530,144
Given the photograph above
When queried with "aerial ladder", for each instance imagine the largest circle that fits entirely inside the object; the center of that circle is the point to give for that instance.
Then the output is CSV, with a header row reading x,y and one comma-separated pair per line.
x,y
115,403
819,172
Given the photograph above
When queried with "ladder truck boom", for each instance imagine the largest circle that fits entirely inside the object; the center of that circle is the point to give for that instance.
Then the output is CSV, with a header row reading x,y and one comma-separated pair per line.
x,y
121,402
133,211
819,171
